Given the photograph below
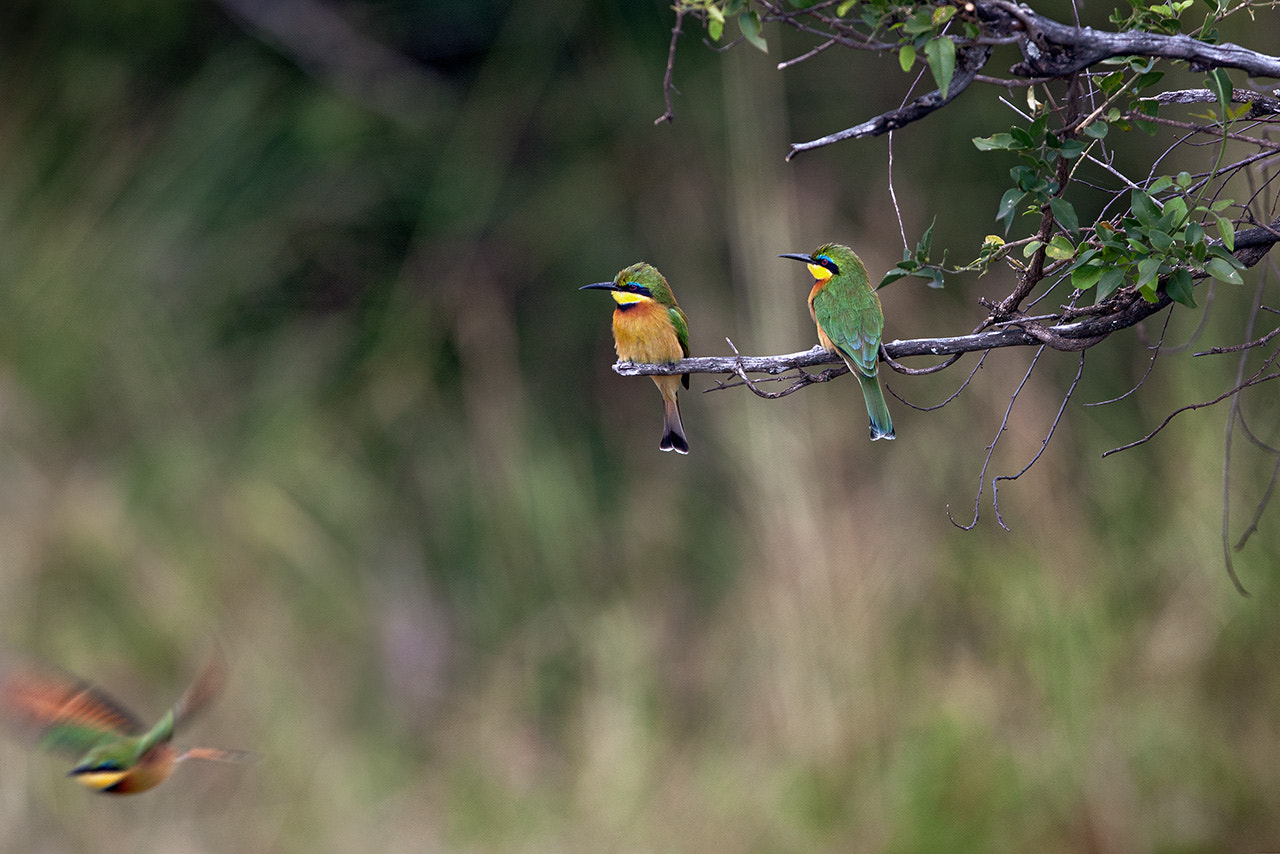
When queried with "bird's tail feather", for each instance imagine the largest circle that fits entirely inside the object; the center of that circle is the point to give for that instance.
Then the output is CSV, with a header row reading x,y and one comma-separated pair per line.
x,y
216,754
673,438
881,423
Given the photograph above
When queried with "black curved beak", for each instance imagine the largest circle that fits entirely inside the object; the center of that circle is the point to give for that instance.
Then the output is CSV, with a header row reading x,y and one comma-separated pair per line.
x,y
808,259
601,286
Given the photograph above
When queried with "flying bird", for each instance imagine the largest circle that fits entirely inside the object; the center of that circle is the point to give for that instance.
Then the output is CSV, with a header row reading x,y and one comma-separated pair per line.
x,y
116,753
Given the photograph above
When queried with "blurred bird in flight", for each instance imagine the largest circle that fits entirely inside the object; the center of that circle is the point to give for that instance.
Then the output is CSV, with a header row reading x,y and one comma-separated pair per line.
x,y
650,328
850,321
116,753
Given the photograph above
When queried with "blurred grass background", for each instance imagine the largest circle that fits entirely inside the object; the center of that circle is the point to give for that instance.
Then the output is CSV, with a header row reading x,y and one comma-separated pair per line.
x,y
292,359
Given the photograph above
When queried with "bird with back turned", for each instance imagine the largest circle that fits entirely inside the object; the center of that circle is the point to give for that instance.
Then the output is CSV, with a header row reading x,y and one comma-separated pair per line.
x,y
850,321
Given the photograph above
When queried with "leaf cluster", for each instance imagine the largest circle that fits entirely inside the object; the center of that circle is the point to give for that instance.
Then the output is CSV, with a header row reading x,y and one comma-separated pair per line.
x,y
1157,241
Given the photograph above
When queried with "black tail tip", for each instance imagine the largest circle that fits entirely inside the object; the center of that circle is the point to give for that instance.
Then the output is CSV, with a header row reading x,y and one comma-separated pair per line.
x,y
674,442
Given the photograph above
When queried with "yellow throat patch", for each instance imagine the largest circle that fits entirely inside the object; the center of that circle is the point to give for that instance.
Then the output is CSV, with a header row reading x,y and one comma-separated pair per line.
x,y
819,273
627,298
100,779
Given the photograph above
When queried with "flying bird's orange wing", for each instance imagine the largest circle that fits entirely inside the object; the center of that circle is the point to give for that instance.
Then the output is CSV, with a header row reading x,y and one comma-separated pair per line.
x,y
63,713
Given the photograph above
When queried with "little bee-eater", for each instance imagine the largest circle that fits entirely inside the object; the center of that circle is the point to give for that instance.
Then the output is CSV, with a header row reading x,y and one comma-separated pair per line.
x,y
850,321
649,327
117,754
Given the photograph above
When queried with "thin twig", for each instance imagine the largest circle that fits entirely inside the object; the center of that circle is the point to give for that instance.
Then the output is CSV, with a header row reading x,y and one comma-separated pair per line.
x,y
1151,364
991,449
1057,419
1236,348
1256,379
950,397
668,87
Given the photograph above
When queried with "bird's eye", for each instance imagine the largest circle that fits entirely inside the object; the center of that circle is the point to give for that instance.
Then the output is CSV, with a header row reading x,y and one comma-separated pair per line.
x,y
829,264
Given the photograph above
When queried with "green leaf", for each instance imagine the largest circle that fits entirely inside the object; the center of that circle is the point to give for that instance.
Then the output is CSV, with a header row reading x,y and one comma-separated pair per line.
x,y
1107,285
925,243
1148,269
907,57
1221,252
1179,287
1064,213
1144,207
749,23
1160,240
1008,206
941,55
1059,249
715,27
1161,184
1111,83
1220,84
1227,232
942,14
1083,278
1097,129
1031,248
995,142
1194,233
843,8
1150,78
1175,212
1073,148
891,277
1222,271
918,24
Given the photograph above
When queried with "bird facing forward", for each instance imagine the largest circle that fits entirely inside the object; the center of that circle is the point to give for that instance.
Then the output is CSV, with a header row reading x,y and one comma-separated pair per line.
x,y
117,754
850,321
650,328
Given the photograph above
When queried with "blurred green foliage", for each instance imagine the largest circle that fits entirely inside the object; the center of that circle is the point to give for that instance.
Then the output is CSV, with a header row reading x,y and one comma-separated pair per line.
x,y
302,367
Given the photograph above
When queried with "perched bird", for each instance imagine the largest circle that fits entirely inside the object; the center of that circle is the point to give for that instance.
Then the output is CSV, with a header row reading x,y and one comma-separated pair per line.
x,y
850,321
116,753
649,327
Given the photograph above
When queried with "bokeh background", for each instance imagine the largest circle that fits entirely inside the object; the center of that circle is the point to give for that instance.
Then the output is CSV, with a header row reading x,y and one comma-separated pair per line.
x,y
293,362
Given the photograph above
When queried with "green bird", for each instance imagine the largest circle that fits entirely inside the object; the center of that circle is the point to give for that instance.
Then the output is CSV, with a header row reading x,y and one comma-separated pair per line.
x,y
850,321
117,754
650,328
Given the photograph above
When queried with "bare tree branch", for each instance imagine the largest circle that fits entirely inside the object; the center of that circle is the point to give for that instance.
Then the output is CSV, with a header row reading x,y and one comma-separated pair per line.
x,y
1050,50
969,61
1261,105
1053,49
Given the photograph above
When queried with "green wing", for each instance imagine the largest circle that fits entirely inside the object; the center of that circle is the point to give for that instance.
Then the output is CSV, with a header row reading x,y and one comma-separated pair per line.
x,y
681,323
853,320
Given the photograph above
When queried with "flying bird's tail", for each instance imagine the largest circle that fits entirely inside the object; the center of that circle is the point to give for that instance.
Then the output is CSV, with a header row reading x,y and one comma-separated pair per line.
x,y
215,754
